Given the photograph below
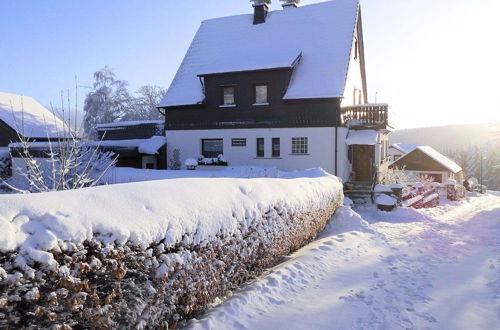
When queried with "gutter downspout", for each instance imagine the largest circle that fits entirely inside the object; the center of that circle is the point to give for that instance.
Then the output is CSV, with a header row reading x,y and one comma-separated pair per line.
x,y
337,139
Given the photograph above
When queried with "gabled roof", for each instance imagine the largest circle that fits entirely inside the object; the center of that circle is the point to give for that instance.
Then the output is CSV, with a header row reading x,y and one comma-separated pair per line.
x,y
434,155
28,117
405,147
322,33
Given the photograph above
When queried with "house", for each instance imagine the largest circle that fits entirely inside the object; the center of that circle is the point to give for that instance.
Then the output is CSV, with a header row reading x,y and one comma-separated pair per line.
x,y
138,144
285,88
24,116
425,160
398,150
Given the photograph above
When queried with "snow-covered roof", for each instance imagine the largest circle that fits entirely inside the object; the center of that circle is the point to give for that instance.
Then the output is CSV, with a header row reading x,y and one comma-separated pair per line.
x,y
252,60
130,123
28,117
365,137
144,146
405,147
436,156
440,158
322,33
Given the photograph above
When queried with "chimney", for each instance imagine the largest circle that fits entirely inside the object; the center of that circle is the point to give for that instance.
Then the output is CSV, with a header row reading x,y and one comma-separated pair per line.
x,y
290,3
260,10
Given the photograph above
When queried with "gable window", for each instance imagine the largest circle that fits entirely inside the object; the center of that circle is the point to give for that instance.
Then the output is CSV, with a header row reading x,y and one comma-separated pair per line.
x,y
228,96
260,147
211,148
239,142
356,48
299,145
261,94
276,147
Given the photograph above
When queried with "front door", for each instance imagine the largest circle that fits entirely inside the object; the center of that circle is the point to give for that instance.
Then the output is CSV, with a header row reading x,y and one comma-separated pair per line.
x,y
362,162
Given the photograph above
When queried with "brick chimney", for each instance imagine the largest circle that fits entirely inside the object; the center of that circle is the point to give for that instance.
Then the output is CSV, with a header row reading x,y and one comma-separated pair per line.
x,y
290,3
261,7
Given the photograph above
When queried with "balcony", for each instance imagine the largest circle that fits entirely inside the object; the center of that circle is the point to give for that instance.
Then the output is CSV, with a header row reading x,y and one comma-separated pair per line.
x,y
374,116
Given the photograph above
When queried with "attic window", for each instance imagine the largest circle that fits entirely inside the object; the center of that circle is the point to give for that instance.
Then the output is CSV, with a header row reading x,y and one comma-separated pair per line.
x,y
261,94
228,96
356,48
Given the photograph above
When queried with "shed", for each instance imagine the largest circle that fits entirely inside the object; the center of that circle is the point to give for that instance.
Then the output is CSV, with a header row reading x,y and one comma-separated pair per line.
x,y
424,160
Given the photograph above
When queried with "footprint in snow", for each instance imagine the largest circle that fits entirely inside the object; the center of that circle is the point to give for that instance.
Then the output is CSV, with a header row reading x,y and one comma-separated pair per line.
x,y
325,248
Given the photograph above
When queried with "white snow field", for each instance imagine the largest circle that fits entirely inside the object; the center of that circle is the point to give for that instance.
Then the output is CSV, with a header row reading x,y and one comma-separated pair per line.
x,y
433,268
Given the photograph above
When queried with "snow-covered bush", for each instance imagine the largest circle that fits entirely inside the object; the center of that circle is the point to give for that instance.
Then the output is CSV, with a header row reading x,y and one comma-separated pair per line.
x,y
132,260
219,160
191,163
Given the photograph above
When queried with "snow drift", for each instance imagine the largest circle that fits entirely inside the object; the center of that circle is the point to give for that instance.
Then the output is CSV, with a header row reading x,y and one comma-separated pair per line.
x,y
149,252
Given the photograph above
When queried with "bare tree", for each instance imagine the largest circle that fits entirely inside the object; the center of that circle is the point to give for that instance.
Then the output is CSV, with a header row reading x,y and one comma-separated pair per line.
x,y
68,162
144,105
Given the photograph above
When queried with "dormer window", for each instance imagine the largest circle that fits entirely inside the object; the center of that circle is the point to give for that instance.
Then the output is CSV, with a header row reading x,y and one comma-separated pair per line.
x,y
261,94
228,97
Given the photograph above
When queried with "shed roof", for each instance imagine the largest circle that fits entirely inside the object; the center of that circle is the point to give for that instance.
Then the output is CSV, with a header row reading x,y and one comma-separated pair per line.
x,y
432,154
405,147
322,33
28,117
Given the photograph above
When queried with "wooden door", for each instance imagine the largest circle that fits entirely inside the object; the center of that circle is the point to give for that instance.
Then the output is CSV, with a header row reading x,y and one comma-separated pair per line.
x,y
362,161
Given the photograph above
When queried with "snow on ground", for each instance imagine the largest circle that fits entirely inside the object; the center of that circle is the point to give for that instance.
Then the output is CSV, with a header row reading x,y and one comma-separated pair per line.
x,y
433,268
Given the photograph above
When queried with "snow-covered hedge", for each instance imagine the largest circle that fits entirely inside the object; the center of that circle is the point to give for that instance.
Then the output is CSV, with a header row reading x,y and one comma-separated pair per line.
x,y
148,253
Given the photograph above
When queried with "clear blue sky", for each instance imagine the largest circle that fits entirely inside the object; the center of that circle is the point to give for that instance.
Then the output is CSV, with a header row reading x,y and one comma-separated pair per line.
x,y
434,61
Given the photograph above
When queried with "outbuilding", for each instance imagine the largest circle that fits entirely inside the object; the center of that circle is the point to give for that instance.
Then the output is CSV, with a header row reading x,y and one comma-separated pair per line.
x,y
424,160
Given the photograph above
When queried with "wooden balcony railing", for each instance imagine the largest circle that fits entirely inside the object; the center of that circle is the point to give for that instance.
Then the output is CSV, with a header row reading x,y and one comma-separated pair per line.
x,y
365,115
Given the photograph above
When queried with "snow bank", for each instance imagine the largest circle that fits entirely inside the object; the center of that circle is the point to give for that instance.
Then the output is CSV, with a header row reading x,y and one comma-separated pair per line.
x,y
121,249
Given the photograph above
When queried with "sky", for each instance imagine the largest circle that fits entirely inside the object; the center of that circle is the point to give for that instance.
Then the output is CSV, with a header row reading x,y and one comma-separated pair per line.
x,y
434,61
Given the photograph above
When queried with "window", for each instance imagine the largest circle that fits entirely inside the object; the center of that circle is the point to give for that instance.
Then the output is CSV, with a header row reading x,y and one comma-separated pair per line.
x,y
276,147
299,145
211,148
260,147
238,142
356,48
228,96
261,94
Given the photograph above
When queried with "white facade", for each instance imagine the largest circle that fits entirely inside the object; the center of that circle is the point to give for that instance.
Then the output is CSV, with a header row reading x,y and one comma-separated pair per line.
x,y
320,153
395,153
